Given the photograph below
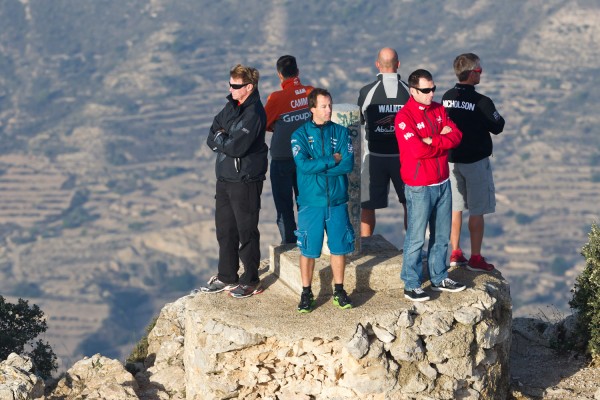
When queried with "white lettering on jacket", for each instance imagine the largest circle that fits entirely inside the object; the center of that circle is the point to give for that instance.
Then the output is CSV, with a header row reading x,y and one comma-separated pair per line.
x,y
465,105
297,103
298,117
389,108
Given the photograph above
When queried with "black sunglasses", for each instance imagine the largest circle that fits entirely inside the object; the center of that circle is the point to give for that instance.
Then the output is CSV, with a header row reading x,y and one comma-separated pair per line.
x,y
425,90
237,85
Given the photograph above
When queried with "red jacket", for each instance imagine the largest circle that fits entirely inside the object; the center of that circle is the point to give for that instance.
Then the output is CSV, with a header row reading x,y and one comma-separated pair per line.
x,y
422,164
287,110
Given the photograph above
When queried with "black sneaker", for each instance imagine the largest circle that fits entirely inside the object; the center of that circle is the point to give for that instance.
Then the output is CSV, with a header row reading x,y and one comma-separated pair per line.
x,y
417,294
307,303
341,299
214,285
448,285
246,291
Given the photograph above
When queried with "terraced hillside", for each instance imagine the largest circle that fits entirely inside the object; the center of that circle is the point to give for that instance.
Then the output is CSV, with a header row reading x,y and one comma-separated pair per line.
x,y
108,188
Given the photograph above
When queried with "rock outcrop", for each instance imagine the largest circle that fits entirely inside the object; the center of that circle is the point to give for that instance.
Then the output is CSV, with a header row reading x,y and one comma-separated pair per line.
x,y
17,381
96,378
455,346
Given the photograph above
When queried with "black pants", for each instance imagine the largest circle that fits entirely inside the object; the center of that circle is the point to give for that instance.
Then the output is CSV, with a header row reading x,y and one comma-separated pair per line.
x,y
236,220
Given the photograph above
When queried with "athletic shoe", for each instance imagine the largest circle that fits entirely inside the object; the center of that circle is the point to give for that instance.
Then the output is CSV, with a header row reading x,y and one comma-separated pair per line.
x,y
448,285
214,285
417,294
307,303
341,299
457,258
478,264
246,291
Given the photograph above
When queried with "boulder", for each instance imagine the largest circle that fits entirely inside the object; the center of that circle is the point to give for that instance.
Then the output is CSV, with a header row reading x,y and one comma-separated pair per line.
x,y
96,378
17,380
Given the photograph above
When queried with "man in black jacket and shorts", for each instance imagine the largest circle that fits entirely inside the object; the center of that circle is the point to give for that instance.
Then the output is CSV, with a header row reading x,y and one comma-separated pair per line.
x,y
470,169
379,102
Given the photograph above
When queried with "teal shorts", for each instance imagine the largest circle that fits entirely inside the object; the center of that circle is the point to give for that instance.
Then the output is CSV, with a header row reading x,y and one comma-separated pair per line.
x,y
314,221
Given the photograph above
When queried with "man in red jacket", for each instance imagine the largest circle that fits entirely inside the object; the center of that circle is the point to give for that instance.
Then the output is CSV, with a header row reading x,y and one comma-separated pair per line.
x,y
287,109
425,134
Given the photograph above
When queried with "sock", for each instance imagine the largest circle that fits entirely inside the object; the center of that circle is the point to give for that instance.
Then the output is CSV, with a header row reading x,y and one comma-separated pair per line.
x,y
338,287
306,289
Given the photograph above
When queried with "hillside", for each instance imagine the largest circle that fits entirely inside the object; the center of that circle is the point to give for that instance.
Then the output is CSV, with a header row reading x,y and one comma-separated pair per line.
x,y
108,188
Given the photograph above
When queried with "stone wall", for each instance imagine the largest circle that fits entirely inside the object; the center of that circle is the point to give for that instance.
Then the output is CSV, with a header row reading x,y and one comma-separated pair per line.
x,y
453,347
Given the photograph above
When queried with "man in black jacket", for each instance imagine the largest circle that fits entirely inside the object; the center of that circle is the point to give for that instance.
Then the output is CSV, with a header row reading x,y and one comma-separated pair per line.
x,y
379,102
237,135
470,170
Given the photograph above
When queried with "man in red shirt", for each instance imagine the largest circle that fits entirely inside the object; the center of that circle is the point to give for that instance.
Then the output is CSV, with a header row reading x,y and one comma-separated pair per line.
x,y
286,110
425,134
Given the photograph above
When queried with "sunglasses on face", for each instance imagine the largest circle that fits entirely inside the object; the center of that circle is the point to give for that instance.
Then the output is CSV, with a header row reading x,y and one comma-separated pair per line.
x,y
237,85
425,90
478,70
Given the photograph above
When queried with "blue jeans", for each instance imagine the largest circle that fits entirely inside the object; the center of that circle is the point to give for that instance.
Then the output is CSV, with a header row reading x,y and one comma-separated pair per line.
x,y
433,205
284,188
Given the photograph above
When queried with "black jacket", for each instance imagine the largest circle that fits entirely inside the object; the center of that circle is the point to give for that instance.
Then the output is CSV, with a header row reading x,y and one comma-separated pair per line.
x,y
377,112
476,116
237,135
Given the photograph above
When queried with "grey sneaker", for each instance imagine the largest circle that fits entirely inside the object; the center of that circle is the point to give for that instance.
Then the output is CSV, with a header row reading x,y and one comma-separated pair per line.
x,y
417,294
246,291
448,285
214,285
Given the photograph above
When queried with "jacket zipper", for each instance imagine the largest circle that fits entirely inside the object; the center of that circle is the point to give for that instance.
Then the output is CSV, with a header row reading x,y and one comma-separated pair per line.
x,y
323,152
431,126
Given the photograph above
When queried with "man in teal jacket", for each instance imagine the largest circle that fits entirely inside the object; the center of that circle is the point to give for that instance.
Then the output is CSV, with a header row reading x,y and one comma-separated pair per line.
x,y
324,156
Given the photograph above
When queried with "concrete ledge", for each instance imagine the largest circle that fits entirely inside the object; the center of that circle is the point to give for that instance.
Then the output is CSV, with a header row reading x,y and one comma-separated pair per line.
x,y
376,268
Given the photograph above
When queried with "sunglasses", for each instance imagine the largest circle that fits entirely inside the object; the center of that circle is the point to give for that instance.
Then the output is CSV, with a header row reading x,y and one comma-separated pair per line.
x,y
237,85
478,70
425,90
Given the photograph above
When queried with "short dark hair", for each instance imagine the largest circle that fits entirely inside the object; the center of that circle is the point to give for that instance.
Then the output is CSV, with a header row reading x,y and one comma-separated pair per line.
x,y
287,67
312,97
413,79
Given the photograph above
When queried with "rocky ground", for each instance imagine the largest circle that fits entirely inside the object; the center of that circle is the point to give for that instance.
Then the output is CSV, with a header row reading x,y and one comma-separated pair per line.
x,y
539,372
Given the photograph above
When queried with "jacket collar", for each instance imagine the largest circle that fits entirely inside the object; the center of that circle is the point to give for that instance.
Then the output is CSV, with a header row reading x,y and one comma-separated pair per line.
x,y
294,81
319,126
464,86
413,104
381,74
254,96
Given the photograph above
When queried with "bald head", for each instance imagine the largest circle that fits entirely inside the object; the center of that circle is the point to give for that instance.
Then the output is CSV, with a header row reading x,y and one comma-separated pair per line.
x,y
387,60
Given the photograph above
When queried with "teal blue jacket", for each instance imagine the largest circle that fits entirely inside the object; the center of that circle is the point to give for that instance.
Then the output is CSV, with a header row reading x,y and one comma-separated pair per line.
x,y
321,181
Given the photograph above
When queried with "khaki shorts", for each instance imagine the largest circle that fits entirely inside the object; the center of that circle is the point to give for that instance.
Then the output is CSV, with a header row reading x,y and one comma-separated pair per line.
x,y
473,187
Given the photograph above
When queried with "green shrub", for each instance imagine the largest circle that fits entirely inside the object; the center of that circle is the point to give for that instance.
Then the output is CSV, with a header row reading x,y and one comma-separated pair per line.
x,y
586,295
19,326
140,351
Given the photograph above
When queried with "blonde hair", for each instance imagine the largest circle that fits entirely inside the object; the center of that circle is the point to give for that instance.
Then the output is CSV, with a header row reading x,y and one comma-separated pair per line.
x,y
245,73
464,64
